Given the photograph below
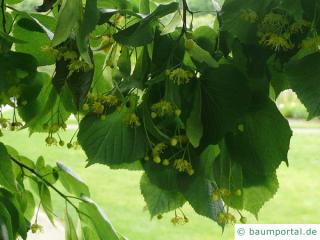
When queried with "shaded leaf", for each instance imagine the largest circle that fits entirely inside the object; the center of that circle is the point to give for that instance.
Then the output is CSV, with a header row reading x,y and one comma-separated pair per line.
x,y
93,217
225,99
71,182
7,178
158,200
304,78
111,140
69,17
194,129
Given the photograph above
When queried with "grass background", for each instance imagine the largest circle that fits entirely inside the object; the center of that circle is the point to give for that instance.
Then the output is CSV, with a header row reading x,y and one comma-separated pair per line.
x,y
117,191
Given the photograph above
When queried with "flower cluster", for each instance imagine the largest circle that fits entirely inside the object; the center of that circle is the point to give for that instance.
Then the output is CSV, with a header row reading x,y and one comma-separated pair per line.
x,y
276,42
180,76
178,220
183,165
248,15
276,31
226,218
99,105
132,120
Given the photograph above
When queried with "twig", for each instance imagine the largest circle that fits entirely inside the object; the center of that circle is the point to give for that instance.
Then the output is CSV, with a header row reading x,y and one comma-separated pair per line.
x,y
4,21
45,181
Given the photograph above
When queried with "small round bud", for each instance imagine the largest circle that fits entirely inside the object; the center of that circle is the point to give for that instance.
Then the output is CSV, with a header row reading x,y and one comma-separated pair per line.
x,y
238,192
154,115
157,159
177,112
243,220
85,107
165,162
69,145
173,142
61,143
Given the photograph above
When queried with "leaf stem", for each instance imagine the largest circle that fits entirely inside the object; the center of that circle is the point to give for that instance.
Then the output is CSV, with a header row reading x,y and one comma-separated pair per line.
x,y
4,21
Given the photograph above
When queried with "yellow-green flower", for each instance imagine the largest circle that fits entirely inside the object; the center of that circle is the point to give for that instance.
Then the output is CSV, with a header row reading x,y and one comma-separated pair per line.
x,y
276,42
183,165
248,15
180,76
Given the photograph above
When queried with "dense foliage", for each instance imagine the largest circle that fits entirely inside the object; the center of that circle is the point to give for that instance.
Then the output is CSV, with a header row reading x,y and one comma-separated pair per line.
x,y
192,108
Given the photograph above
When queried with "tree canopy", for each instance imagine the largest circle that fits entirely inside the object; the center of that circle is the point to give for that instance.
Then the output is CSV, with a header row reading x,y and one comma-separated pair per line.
x,y
192,108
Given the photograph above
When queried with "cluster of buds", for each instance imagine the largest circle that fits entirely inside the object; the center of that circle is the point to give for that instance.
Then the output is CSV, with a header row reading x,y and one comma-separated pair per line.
x,y
248,15
78,65
275,31
99,105
36,228
55,127
51,141
299,26
226,218
183,165
179,140
132,120
164,108
156,151
4,123
180,76
276,42
178,220
74,145
224,193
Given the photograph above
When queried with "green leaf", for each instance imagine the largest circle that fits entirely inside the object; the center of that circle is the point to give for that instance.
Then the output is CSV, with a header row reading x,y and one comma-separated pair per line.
x,y
207,160
27,204
144,6
5,224
304,78
158,200
206,38
141,71
124,62
42,101
173,24
45,170
79,83
142,33
194,128
264,142
226,98
13,1
7,178
91,215
69,17
88,24
233,22
71,182
255,196
198,192
70,230
36,39
228,175
202,56
46,202
111,140
293,7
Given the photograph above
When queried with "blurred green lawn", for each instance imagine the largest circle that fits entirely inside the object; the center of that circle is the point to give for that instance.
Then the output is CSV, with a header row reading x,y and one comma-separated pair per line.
x,y
117,191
